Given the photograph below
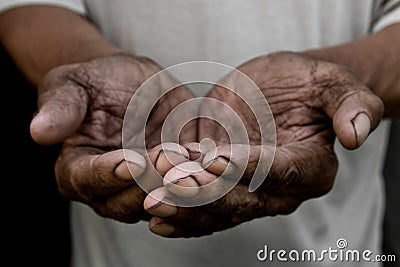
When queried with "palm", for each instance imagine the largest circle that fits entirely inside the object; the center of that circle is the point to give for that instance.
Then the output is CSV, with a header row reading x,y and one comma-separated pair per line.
x,y
93,98
303,129
311,101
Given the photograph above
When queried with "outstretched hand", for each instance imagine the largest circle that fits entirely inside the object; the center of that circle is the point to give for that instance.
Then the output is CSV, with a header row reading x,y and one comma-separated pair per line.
x,y
313,102
83,105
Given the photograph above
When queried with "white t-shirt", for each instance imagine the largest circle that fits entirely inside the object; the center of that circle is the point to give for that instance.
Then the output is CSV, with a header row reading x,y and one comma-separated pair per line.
x,y
232,32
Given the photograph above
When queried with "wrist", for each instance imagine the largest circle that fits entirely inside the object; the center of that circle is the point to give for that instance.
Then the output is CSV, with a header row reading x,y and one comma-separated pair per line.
x,y
374,60
84,49
39,38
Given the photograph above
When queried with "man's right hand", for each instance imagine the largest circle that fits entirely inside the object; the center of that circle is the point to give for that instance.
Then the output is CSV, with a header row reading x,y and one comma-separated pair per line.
x,y
83,105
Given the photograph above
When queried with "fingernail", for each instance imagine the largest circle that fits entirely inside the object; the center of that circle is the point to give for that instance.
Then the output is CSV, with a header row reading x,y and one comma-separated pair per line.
x,y
128,171
230,167
163,229
206,145
169,159
221,166
184,187
194,151
162,210
362,127
195,155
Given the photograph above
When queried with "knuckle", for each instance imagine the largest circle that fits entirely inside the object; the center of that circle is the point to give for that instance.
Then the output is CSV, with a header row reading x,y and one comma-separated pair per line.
x,y
289,179
68,184
126,208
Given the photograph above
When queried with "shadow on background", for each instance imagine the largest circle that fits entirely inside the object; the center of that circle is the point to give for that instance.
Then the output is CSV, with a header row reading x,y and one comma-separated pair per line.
x,y
35,216
391,236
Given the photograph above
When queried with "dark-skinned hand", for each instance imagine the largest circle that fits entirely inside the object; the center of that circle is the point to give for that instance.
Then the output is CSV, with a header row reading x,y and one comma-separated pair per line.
x,y
313,102
83,105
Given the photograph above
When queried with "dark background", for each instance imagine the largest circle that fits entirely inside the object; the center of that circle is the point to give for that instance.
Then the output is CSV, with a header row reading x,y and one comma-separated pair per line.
x,y
391,236
35,216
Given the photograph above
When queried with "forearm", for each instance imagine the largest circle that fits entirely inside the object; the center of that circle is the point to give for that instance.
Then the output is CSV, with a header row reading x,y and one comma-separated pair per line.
x,y
375,60
39,38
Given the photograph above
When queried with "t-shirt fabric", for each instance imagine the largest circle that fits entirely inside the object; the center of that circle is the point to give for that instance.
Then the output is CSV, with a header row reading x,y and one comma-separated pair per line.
x,y
232,32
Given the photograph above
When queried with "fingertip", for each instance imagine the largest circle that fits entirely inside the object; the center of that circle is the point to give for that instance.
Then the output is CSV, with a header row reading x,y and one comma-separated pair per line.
x,y
155,220
171,147
61,113
180,180
194,151
155,196
127,170
53,125
162,229
362,127
186,187
359,112
168,155
167,160
155,204
209,157
162,210
132,167
352,132
42,130
219,166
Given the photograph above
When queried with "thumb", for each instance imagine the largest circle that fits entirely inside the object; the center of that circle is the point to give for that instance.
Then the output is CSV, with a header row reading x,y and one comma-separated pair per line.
x,y
243,160
355,115
61,112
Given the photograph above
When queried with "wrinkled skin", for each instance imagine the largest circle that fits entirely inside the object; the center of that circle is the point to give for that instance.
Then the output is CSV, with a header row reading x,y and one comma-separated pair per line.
x,y
84,105
312,101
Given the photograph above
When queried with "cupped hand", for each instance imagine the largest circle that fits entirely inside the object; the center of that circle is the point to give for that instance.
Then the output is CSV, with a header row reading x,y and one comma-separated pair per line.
x,y
313,102
83,105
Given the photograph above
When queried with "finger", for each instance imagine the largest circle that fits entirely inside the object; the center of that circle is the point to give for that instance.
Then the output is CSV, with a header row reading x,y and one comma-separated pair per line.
x,y
220,165
190,179
160,160
161,202
185,186
189,222
61,112
236,207
304,170
168,155
240,206
240,163
181,180
194,151
355,113
84,173
237,159
159,227
165,229
125,206
156,203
